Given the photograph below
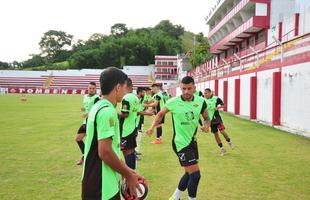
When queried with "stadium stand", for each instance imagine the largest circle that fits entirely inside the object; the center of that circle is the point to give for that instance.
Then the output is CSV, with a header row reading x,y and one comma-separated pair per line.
x,y
68,79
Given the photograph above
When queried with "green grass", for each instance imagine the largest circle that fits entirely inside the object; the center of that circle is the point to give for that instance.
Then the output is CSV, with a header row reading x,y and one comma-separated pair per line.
x,y
38,155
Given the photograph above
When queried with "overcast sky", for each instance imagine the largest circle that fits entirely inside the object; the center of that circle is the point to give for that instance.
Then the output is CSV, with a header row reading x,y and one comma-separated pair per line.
x,y
23,22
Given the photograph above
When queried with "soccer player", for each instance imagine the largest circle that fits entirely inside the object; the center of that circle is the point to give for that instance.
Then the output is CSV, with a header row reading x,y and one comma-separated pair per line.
x,y
198,93
158,103
128,117
89,100
102,165
214,105
186,110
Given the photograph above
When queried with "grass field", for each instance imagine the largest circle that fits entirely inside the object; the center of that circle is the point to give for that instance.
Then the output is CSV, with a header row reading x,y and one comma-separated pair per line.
x,y
38,155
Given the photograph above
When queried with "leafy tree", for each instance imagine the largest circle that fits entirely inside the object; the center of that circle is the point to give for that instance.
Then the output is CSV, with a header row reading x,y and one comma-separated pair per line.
x,y
201,52
174,31
53,44
119,29
4,65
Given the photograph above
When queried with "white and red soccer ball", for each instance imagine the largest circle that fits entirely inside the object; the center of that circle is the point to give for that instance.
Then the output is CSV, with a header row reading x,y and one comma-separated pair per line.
x,y
140,195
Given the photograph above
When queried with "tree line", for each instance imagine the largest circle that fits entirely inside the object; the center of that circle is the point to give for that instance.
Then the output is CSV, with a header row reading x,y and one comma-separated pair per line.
x,y
123,46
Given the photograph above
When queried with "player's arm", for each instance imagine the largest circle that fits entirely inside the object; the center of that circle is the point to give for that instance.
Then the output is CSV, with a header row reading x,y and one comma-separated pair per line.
x,y
219,104
152,104
157,120
108,156
146,112
206,118
125,109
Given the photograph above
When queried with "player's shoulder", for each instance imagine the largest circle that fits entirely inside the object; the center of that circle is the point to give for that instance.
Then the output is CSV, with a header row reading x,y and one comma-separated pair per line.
x,y
104,107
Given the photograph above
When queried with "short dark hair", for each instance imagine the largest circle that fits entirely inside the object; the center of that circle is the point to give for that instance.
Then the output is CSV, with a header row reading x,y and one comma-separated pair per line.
x,y
110,77
187,80
129,82
147,89
92,83
155,85
140,89
208,90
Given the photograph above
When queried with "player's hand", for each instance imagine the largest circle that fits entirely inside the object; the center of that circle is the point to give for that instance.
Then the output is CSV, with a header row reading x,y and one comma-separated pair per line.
x,y
216,108
85,115
82,109
132,183
149,131
205,129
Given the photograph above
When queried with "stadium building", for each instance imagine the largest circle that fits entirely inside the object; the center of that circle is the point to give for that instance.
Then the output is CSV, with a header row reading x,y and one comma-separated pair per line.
x,y
261,60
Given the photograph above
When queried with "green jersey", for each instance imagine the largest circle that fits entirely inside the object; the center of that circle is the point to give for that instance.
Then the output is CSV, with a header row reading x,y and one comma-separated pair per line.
x,y
160,99
198,93
139,109
185,117
88,102
130,104
98,177
146,98
212,103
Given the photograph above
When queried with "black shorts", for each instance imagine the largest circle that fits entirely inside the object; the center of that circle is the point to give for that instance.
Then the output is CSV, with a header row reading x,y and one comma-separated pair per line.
x,y
82,129
217,127
188,155
129,142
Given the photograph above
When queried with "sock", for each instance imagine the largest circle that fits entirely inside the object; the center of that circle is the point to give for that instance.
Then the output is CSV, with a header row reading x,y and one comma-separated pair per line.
x,y
131,160
193,184
159,131
183,182
177,194
220,145
190,198
81,145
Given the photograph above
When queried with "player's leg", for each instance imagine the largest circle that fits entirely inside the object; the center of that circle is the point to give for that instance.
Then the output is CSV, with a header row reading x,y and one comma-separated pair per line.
x,y
188,158
214,130
128,147
79,140
159,132
194,177
221,128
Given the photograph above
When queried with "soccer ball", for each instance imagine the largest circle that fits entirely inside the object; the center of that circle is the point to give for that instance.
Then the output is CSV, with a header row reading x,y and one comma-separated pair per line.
x,y
126,194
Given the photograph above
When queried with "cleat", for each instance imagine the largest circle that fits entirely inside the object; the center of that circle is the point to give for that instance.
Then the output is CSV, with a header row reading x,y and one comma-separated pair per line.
x,y
232,146
222,151
157,141
80,162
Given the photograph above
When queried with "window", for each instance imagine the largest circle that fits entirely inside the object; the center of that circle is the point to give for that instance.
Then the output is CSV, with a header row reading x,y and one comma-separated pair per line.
x,y
261,36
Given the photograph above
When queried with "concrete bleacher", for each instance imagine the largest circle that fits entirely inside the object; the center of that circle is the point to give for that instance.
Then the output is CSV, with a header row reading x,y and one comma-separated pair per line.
x,y
81,82
68,79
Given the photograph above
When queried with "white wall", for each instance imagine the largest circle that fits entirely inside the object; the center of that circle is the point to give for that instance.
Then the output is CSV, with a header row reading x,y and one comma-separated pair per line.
x,y
264,95
15,73
245,91
295,97
221,88
231,94
212,85
303,7
139,70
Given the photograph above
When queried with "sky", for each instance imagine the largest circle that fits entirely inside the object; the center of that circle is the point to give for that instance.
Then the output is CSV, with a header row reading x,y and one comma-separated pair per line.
x,y
23,22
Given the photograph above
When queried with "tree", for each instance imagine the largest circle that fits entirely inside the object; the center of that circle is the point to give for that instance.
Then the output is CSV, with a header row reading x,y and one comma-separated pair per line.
x,y
4,65
202,51
53,44
119,29
35,61
174,31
